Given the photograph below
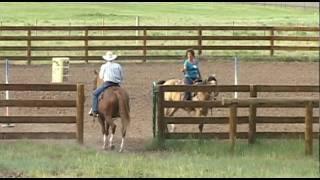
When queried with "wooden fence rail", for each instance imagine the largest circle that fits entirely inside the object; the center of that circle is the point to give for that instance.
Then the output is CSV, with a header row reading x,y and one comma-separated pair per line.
x,y
200,37
251,103
78,103
307,102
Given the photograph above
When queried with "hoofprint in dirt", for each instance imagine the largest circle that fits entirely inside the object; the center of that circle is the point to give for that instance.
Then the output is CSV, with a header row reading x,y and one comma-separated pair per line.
x,y
138,81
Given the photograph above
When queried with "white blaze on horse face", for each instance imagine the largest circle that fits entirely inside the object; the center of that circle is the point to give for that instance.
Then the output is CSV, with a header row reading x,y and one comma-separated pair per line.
x,y
213,82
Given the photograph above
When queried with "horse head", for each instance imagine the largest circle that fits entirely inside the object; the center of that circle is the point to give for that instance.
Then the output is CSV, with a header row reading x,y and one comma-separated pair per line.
x,y
96,80
211,80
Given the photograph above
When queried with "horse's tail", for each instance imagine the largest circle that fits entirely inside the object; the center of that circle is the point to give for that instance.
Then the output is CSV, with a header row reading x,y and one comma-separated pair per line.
x,y
124,108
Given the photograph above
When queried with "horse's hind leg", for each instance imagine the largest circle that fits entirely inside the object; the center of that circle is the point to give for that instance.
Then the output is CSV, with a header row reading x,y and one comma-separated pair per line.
x,y
125,119
108,123
113,127
123,131
104,130
105,136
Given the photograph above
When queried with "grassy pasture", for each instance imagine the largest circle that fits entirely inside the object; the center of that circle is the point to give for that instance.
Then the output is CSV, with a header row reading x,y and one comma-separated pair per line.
x,y
266,158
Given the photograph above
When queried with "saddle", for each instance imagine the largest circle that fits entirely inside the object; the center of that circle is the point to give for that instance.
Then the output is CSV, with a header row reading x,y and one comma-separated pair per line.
x,y
101,94
193,94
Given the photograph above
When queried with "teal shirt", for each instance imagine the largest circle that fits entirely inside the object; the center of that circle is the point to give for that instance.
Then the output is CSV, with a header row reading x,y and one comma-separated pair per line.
x,y
192,70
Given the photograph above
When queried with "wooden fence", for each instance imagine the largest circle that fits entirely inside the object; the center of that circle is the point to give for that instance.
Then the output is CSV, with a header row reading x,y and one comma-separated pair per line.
x,y
78,103
308,103
252,103
85,38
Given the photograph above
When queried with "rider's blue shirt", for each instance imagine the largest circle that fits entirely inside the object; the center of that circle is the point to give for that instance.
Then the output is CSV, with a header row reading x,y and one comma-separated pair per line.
x,y
192,69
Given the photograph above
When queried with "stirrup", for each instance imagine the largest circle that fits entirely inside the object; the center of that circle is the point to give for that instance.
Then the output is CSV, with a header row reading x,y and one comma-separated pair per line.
x,y
93,114
90,112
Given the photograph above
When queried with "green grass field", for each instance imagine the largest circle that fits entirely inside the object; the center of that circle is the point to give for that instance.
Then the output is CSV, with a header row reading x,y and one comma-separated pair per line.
x,y
178,13
266,158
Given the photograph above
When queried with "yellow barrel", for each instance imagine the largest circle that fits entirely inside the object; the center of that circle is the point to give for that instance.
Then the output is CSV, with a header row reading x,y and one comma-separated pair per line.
x,y
60,66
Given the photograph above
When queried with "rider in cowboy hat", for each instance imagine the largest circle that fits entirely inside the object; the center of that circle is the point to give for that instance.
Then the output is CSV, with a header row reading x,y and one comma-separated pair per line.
x,y
112,75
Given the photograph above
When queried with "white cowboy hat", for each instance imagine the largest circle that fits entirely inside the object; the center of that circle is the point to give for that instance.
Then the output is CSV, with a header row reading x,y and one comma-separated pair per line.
x,y
109,56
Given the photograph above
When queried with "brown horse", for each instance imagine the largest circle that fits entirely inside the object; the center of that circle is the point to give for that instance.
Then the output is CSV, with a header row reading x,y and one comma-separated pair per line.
x,y
199,96
114,103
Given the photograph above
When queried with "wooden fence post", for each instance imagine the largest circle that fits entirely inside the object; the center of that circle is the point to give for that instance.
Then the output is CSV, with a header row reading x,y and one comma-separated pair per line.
x,y
161,123
69,26
1,26
36,26
272,42
80,111
233,125
308,131
200,42
86,45
29,47
144,45
154,108
252,116
103,26
137,31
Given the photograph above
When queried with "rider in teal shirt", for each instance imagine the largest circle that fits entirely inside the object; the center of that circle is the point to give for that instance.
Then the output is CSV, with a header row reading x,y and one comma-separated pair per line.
x,y
191,71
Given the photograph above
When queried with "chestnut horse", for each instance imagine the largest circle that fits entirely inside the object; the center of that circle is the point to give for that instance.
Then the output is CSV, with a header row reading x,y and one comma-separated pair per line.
x,y
113,103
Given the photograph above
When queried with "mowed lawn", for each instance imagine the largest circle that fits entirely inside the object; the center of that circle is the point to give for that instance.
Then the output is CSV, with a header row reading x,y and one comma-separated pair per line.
x,y
165,13
266,158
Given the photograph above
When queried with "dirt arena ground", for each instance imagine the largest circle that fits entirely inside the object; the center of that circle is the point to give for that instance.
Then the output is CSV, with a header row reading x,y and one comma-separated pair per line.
x,y
138,82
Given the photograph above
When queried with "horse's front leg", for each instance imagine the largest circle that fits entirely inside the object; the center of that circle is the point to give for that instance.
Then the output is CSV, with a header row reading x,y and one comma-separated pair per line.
x,y
201,127
170,113
199,113
203,113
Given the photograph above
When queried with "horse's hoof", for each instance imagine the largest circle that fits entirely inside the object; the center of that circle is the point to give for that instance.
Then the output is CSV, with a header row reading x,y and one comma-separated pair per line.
x,y
112,147
121,150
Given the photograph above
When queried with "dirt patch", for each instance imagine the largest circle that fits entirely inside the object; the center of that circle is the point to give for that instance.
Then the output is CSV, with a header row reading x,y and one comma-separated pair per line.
x,y
138,82
10,174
